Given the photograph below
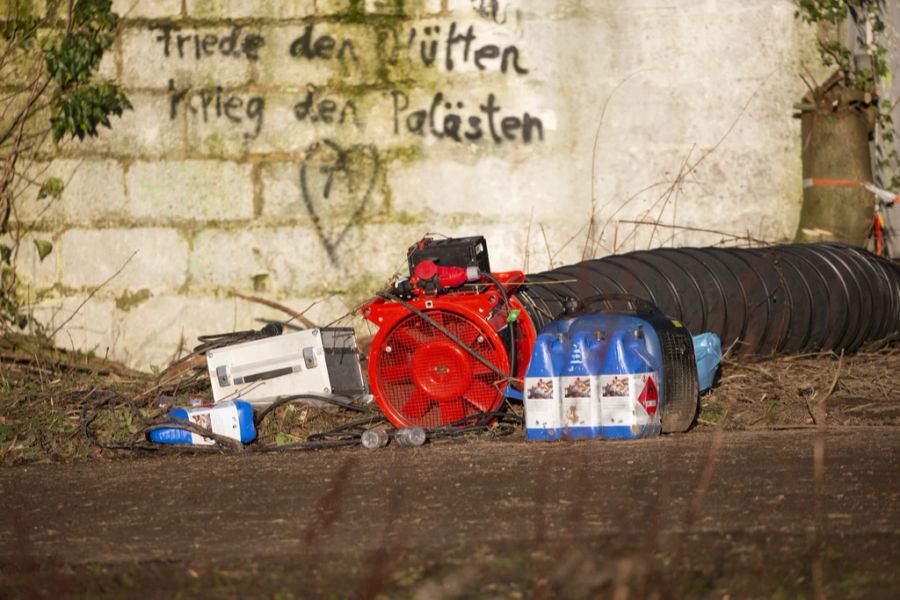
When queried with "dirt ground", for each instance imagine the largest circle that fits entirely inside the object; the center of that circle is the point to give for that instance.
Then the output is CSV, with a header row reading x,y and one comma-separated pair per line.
x,y
800,513
788,487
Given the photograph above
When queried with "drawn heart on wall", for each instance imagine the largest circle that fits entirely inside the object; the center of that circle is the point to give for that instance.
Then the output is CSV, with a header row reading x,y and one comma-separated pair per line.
x,y
337,185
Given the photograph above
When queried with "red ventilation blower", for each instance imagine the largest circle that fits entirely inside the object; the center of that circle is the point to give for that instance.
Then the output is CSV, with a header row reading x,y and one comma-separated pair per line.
x,y
451,338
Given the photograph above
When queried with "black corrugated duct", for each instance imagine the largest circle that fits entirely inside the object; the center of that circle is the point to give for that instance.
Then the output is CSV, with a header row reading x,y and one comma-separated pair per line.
x,y
782,299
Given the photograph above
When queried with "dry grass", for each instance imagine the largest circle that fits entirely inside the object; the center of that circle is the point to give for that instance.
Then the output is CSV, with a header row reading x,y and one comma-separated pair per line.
x,y
44,391
797,391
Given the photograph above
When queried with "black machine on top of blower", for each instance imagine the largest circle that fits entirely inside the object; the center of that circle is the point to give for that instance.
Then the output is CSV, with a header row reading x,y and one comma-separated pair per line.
x,y
454,339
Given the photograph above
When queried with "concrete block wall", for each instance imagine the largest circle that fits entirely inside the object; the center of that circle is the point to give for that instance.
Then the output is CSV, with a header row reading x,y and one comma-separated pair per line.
x,y
294,150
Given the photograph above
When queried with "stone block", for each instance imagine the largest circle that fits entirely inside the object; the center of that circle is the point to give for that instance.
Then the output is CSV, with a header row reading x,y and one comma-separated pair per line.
x,y
33,272
91,256
148,131
332,7
250,9
147,9
85,324
282,259
94,192
108,68
190,190
156,53
492,187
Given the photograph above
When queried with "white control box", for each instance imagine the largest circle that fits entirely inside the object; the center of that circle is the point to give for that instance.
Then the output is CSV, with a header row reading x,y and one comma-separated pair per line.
x,y
262,370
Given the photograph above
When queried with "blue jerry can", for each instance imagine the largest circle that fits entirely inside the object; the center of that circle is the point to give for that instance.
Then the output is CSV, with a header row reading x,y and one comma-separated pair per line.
x,y
629,388
543,415
580,389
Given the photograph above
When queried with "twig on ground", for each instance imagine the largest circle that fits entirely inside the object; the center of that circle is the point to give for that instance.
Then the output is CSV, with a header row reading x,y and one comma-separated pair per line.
x,y
821,414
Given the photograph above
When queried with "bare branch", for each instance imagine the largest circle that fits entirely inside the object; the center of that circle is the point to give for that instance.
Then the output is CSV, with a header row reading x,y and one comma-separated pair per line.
x,y
91,295
285,309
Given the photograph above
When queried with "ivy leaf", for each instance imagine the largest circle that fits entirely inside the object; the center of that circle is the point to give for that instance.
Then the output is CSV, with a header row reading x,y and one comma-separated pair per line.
x,y
53,188
5,253
44,248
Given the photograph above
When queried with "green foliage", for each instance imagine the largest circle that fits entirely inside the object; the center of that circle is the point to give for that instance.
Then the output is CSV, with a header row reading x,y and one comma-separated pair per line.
x,y
81,110
81,105
52,188
868,78
22,25
44,248
833,11
60,47
836,53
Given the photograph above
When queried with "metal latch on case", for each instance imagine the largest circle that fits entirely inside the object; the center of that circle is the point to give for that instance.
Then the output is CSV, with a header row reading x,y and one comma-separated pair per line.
x,y
309,357
222,375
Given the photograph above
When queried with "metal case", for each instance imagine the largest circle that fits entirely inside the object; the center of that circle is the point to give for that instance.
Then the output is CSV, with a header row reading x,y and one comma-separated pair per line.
x,y
294,363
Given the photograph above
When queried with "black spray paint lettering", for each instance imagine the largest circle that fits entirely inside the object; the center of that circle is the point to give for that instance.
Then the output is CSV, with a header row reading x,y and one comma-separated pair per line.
x,y
460,46
446,119
326,110
335,180
490,9
323,47
234,44
214,103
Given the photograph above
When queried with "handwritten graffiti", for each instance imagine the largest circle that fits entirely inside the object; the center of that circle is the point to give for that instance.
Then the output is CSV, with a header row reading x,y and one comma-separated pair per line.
x,y
444,119
336,185
323,47
322,109
490,9
213,103
462,46
234,44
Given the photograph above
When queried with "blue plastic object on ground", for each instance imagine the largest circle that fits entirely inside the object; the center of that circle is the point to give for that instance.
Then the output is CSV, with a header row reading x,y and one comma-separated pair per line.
x,y
543,414
604,375
630,402
708,354
230,418
580,392
597,375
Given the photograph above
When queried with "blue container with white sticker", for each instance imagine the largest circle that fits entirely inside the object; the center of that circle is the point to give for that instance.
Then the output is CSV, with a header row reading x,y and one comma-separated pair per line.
x,y
630,399
229,418
543,414
580,399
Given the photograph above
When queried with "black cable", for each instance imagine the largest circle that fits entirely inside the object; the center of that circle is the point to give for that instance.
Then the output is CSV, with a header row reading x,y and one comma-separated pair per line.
x,y
342,429
512,329
335,399
138,440
219,340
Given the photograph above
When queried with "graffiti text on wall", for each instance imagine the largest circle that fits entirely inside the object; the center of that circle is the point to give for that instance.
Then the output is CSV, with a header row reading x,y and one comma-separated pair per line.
x,y
442,115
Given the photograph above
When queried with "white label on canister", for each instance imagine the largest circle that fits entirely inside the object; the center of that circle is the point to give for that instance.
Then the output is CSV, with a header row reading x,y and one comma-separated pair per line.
x,y
580,406
222,419
619,404
542,410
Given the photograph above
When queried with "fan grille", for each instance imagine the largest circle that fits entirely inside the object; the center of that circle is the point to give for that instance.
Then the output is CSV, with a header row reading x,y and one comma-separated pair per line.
x,y
427,379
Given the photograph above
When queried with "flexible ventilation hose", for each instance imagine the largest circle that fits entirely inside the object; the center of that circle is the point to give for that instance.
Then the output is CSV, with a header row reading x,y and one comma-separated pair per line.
x,y
784,299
